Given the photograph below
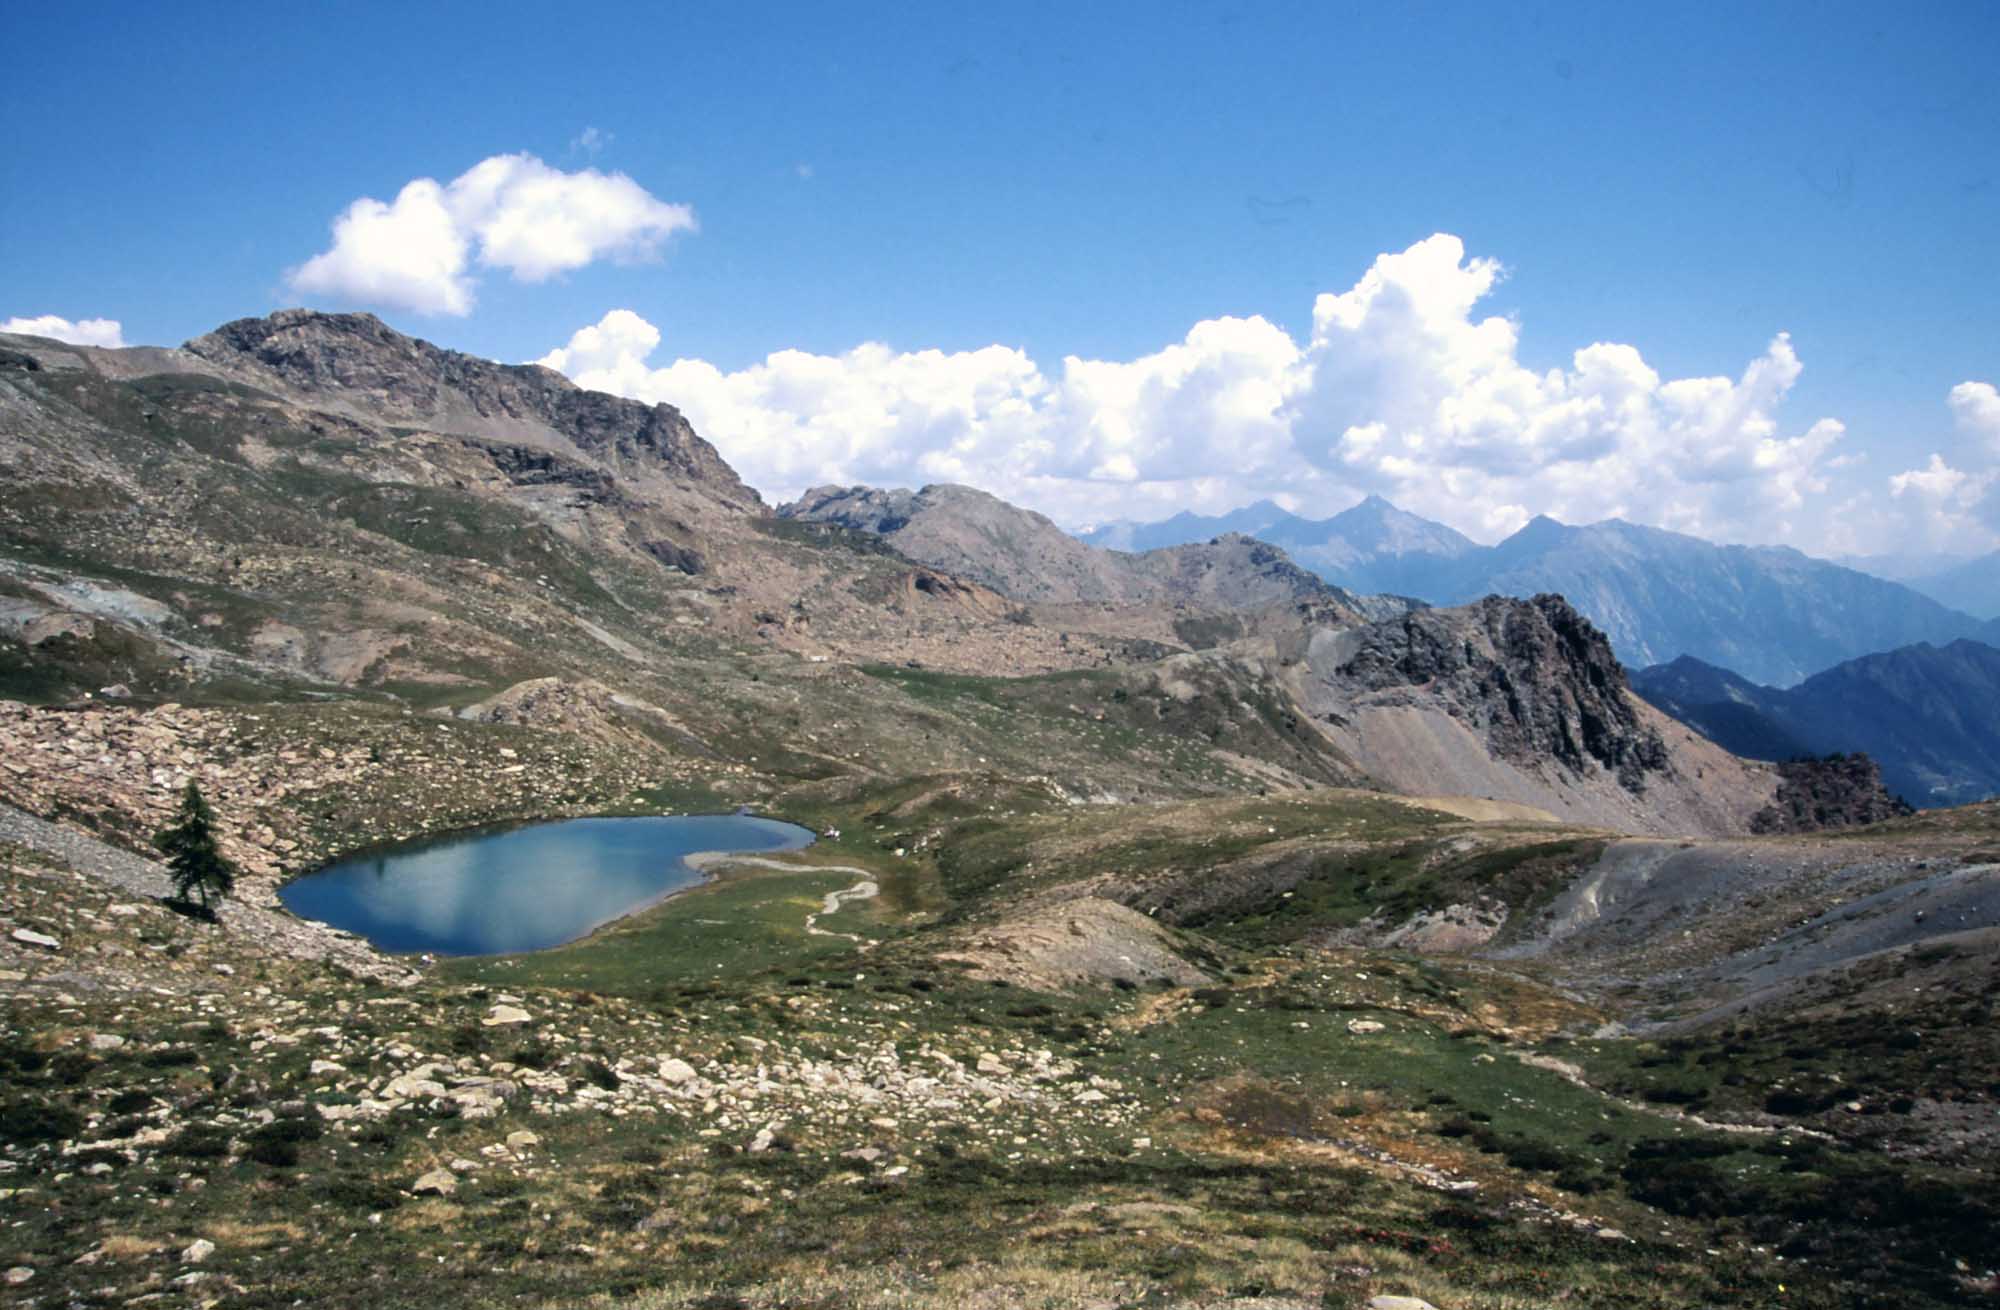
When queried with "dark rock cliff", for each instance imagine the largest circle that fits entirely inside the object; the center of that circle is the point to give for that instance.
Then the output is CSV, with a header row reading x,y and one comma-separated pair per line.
x,y
1835,792
1534,676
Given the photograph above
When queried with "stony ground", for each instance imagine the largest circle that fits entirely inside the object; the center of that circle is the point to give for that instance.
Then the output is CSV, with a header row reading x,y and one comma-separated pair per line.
x,y
1036,1068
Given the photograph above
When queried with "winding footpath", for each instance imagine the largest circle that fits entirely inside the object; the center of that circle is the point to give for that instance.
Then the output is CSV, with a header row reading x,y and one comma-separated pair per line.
x,y
866,889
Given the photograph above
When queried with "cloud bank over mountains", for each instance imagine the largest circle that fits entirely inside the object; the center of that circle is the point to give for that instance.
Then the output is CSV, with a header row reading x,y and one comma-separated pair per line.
x,y
1402,388
514,213
83,332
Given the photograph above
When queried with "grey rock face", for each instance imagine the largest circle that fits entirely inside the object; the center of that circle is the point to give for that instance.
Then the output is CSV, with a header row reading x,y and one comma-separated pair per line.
x,y
1770,614
1534,677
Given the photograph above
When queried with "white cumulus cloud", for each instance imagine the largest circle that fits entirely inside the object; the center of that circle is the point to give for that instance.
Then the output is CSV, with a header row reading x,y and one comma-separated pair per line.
x,y
509,212
1945,509
1976,406
1951,505
1402,387
82,332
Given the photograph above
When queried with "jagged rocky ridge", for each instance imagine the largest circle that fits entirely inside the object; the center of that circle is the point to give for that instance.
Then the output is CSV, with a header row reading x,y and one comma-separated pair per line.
x,y
1840,791
1519,701
1535,675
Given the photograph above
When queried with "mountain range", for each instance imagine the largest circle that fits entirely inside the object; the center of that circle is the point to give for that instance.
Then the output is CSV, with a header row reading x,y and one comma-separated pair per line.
x,y
1021,554
1372,547
1929,715
1771,614
1962,582
1971,585
309,504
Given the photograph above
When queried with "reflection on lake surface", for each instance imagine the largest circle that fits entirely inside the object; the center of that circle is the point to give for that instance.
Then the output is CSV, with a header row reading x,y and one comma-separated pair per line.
x,y
521,889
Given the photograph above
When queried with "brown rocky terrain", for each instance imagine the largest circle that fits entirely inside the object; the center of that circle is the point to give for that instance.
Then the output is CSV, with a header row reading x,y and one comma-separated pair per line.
x,y
313,501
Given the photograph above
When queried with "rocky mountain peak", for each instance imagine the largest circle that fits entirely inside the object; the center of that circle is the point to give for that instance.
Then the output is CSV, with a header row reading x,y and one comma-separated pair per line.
x,y
357,364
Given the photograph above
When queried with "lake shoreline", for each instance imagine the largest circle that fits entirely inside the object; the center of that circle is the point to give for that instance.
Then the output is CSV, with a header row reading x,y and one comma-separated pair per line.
x,y
552,879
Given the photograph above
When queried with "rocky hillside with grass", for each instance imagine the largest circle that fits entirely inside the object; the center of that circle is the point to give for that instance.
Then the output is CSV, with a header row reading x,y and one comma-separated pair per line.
x,y
311,502
1066,1056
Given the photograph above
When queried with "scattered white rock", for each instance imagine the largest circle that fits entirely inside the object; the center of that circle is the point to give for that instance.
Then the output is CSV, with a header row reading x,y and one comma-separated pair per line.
x,y
502,1016
1361,1028
18,1275
676,1071
105,1041
197,1251
29,937
1400,1303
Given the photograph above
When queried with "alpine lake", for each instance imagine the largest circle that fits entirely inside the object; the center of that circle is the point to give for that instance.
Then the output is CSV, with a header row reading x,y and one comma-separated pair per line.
x,y
505,891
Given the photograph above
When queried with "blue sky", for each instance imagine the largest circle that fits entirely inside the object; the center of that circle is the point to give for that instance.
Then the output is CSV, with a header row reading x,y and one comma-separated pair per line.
x,y
1690,182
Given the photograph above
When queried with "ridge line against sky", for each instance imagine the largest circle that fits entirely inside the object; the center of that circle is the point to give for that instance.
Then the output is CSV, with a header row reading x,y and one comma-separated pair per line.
x,y
1111,237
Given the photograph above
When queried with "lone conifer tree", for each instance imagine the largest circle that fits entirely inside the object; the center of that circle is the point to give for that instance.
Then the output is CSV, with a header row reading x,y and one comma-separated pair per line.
x,y
197,863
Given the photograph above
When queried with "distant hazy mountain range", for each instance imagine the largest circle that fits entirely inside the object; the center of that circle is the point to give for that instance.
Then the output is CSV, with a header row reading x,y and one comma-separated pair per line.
x,y
1968,583
1770,614
1929,715
1973,586
1371,548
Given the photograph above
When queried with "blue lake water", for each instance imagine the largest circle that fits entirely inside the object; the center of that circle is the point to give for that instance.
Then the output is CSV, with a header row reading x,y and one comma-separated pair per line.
x,y
522,889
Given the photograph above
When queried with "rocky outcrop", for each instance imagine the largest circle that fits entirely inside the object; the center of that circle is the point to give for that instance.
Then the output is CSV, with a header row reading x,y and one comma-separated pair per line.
x,y
1073,943
1534,676
1838,791
586,709
1519,701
